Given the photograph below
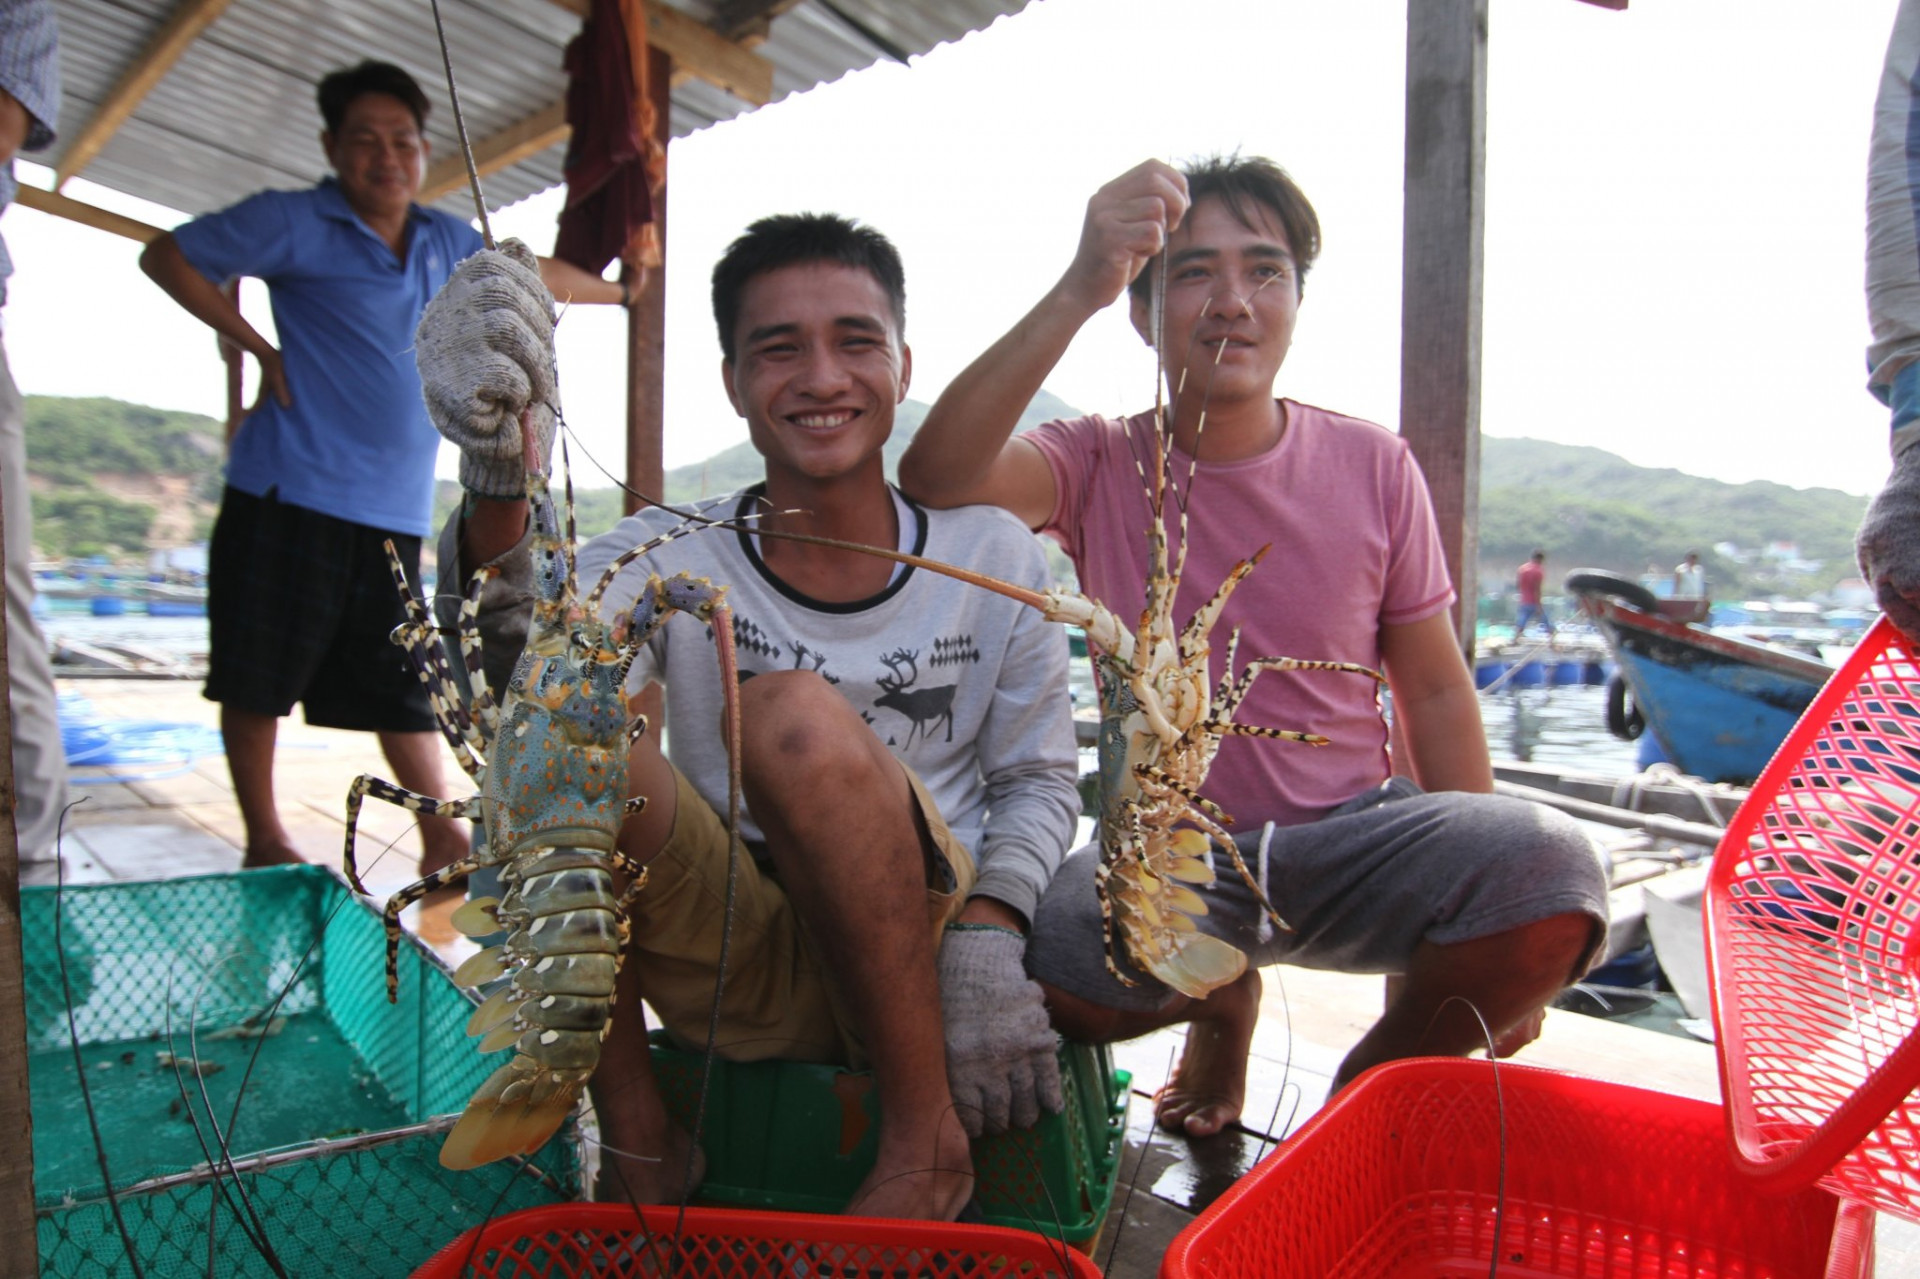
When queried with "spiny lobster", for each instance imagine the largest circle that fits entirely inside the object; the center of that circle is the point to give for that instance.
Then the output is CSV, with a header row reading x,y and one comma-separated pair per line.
x,y
550,761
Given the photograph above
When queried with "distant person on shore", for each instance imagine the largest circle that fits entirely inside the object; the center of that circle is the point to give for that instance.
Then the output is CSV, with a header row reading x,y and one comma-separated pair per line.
x,y
337,454
1527,581
1690,578
29,104
1468,900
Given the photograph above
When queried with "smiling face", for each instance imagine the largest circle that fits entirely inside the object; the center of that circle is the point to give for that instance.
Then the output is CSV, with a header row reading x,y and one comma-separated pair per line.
x,y
1232,297
379,155
818,368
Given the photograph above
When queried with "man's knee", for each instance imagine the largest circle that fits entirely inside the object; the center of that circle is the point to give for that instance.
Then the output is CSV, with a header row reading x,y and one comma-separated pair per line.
x,y
794,720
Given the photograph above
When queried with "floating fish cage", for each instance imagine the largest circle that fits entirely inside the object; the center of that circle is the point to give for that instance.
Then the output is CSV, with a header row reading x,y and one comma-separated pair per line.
x,y
1541,670
247,1086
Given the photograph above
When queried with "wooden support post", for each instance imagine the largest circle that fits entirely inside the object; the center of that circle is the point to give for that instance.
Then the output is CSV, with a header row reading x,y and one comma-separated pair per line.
x,y
1443,242
16,1115
647,322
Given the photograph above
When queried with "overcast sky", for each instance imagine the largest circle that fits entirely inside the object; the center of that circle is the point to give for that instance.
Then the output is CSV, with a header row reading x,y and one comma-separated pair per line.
x,y
1674,220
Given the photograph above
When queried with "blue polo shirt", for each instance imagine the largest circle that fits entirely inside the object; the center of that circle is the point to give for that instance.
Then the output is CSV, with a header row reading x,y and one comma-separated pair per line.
x,y
357,443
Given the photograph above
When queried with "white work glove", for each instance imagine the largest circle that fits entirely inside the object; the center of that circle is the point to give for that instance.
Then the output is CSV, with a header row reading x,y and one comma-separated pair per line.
x,y
1001,1062
1888,545
485,350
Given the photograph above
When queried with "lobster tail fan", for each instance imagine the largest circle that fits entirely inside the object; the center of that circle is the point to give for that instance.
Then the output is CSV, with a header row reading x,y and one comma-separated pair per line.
x,y
495,1128
1197,967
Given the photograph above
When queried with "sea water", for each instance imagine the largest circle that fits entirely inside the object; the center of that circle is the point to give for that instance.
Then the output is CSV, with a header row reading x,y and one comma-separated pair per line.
x,y
1562,726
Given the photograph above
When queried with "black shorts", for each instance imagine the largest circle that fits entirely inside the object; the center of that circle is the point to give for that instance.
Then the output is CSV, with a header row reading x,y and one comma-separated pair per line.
x,y
301,607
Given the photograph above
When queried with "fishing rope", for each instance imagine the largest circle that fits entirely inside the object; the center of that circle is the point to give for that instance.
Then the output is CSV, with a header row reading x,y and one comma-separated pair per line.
x,y
1264,930
460,125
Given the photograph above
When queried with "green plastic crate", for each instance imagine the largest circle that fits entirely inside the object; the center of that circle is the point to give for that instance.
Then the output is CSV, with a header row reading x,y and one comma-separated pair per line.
x,y
801,1137
335,1152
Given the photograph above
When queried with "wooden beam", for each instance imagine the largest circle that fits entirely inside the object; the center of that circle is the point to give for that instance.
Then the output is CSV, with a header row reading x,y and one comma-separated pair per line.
x,y
698,49
1443,240
749,21
16,1111
647,323
182,27
511,145
62,206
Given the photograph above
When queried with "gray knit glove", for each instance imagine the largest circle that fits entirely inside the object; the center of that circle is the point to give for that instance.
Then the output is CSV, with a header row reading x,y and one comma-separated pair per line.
x,y
1001,1062
1888,545
485,350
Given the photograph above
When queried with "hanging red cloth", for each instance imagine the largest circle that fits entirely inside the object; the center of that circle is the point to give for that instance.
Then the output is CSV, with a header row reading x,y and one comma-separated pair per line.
x,y
613,165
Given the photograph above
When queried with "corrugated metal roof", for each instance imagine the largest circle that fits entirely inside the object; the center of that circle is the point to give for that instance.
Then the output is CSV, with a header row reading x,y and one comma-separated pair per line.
x,y
236,113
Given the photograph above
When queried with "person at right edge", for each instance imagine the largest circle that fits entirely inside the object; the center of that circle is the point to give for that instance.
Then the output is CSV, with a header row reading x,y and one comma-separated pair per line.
x,y
1888,544
1475,905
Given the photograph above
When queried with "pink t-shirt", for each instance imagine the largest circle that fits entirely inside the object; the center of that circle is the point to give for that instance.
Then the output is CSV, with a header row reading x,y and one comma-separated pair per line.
x,y
1528,581
1354,547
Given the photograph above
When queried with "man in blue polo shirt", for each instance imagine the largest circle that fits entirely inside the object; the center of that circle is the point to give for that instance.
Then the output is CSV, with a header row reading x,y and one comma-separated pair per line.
x,y
337,455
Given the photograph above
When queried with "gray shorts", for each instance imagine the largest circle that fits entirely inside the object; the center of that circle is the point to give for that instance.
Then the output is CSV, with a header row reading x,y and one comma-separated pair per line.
x,y
1362,887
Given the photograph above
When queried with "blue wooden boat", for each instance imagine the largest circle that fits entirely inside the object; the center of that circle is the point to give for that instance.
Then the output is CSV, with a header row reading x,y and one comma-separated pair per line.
x,y
1717,706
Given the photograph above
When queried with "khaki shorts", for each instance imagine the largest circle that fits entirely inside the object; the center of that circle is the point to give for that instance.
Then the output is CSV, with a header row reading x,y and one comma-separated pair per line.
x,y
778,1000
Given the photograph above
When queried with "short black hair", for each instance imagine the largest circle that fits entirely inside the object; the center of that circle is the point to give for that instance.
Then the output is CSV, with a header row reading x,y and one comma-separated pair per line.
x,y
1241,183
340,88
791,239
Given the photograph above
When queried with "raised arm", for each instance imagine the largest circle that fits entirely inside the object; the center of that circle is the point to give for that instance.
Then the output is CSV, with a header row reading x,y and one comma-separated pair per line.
x,y
14,121
966,451
203,299
570,285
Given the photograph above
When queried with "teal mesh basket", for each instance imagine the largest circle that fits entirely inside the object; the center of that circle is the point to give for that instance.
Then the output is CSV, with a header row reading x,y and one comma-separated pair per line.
x,y
334,1143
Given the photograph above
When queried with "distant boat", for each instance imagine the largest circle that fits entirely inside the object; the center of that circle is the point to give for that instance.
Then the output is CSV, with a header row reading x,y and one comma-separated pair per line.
x,y
1717,706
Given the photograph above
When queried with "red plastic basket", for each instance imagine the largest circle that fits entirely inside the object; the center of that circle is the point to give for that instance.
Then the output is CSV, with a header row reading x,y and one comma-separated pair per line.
x,y
1813,903
575,1240
1400,1175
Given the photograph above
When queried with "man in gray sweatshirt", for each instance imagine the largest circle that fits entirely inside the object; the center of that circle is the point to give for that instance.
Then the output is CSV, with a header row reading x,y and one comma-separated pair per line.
x,y
906,745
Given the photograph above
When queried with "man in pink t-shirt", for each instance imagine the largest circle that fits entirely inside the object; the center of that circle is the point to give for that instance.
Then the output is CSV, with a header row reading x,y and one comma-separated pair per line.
x,y
1464,897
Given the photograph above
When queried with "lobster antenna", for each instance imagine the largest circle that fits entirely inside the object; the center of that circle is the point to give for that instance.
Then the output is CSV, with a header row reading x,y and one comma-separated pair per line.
x,y
460,126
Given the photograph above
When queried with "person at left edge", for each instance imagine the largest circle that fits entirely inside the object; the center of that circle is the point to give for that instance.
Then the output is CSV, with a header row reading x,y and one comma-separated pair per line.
x,y
29,103
337,454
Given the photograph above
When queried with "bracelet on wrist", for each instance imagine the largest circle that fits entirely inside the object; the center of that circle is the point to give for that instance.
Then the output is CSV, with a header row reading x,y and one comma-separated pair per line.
x,y
985,928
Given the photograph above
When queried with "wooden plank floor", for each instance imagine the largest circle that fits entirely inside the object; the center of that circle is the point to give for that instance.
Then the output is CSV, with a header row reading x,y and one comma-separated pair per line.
x,y
157,821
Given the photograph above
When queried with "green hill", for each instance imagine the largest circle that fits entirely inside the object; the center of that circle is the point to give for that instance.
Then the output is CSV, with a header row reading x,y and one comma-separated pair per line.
x,y
1587,507
114,478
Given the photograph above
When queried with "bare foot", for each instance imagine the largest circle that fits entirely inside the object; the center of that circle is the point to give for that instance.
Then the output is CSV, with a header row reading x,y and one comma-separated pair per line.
x,y
1209,1086
270,855
656,1177
934,1184
435,923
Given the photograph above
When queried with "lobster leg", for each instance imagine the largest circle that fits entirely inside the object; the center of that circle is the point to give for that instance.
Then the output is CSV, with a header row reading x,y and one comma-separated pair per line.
x,y
367,784
483,710
1244,685
406,897
419,638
